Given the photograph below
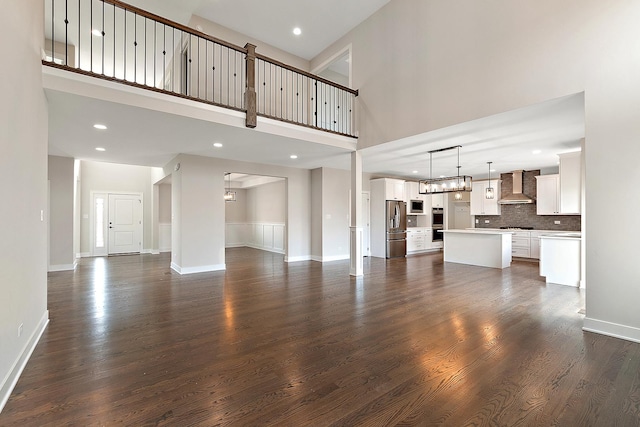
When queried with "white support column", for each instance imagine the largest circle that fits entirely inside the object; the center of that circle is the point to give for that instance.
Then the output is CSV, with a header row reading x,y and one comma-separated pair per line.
x,y
356,230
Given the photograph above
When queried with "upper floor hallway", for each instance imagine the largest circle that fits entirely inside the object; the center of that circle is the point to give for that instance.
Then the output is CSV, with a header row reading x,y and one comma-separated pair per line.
x,y
140,58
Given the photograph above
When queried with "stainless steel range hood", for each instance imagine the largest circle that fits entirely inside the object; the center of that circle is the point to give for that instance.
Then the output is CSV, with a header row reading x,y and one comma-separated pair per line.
x,y
517,197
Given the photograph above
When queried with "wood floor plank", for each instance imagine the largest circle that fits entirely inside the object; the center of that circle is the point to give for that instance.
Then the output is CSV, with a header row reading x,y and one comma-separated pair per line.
x,y
414,341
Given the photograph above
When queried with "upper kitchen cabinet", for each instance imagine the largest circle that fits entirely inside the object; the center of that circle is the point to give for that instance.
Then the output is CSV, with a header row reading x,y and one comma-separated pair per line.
x,y
480,205
411,191
393,188
561,194
570,183
437,200
548,194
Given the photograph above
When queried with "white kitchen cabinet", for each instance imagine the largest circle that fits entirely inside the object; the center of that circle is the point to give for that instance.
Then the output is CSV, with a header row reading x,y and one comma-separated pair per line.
x,y
480,205
394,189
534,245
521,244
548,194
437,200
561,194
415,240
570,183
411,191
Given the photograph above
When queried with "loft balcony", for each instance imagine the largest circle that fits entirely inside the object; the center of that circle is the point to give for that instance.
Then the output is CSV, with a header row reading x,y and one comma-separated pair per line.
x,y
114,41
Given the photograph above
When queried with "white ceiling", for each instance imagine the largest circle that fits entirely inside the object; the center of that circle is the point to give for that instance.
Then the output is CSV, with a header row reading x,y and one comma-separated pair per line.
x,y
145,137
508,140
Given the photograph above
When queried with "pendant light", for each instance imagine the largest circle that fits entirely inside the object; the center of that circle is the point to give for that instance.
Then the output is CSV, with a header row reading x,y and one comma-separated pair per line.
x,y
458,195
229,196
453,184
488,194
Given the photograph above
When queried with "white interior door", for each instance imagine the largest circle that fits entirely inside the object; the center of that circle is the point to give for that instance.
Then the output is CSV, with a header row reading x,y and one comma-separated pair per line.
x,y
125,223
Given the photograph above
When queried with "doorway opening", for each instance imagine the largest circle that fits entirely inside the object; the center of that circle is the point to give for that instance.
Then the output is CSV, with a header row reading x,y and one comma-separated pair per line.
x,y
258,216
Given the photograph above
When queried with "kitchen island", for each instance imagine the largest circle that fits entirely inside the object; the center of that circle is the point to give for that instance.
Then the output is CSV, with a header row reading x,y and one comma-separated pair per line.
x,y
484,248
560,258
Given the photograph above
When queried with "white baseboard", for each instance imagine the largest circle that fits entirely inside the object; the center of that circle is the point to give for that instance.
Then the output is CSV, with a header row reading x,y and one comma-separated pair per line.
x,y
165,250
262,248
63,267
198,269
615,330
12,377
297,258
235,245
83,255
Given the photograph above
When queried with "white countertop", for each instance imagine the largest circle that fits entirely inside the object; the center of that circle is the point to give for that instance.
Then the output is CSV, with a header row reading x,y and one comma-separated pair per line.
x,y
480,231
568,235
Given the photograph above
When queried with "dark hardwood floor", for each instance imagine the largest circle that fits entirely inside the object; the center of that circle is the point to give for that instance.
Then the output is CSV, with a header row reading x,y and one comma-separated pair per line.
x,y
413,342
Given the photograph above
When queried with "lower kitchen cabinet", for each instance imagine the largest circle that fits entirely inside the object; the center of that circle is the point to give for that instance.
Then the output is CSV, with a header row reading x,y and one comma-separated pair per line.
x,y
520,244
419,239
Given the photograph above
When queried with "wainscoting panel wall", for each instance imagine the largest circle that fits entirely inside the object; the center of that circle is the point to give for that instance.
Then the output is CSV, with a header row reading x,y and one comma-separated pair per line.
x,y
265,236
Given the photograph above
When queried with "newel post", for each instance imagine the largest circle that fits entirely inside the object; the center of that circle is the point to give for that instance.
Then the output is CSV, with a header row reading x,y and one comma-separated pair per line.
x,y
250,92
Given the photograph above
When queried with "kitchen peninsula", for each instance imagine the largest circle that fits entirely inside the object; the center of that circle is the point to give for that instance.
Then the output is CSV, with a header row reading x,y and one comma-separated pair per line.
x,y
484,248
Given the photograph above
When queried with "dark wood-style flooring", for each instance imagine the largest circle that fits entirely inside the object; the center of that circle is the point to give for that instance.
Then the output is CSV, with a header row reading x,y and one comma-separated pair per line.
x,y
413,342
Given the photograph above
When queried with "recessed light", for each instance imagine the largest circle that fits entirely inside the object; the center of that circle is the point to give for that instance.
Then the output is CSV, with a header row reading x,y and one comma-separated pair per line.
x,y
297,31
99,126
442,176
293,156
492,170
96,32
101,149
537,151
217,144
414,172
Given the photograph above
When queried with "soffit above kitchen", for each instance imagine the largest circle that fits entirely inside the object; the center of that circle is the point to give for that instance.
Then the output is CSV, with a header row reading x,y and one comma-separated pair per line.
x,y
527,138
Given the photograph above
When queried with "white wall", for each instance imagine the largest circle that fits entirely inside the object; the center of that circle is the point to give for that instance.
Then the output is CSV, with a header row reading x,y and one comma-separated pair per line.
x,y
422,65
267,203
23,178
297,215
316,214
114,178
164,203
61,215
330,214
236,212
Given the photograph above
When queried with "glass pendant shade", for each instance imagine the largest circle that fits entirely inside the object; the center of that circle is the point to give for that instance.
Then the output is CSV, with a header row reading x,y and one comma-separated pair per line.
x,y
488,193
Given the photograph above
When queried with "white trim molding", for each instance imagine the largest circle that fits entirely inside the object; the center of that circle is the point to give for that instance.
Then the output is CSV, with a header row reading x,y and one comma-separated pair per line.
x,y
615,330
62,267
12,377
297,258
330,258
198,269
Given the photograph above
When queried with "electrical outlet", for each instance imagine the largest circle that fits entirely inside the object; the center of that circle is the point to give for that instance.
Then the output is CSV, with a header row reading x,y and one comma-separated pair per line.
x,y
486,221
20,328
477,221
556,222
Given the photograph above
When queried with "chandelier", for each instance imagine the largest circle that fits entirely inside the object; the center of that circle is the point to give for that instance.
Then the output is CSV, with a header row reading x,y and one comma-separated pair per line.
x,y
229,196
452,184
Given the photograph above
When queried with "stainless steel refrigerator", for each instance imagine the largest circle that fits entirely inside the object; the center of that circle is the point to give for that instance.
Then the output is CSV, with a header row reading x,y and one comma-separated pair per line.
x,y
396,229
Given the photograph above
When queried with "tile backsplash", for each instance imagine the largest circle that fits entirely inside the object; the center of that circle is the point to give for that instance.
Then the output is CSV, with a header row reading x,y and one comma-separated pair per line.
x,y
524,215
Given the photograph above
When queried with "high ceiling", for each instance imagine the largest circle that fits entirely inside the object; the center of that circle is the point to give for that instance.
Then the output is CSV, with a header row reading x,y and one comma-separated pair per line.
x,y
273,21
147,137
